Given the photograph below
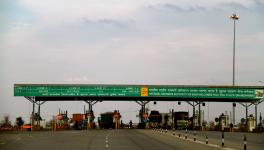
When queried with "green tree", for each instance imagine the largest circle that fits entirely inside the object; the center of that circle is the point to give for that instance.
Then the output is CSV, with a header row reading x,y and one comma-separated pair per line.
x,y
243,120
19,122
6,122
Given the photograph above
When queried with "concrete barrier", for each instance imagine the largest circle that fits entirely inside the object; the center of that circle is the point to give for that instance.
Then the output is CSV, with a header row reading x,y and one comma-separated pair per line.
x,y
186,134
194,135
223,139
245,142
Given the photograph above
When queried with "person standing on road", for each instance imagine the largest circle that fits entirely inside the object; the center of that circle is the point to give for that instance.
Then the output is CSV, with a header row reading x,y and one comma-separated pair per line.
x,y
231,127
130,124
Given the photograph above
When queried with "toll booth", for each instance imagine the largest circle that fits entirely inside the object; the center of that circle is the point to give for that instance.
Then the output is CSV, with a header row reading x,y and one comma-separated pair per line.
x,y
89,120
78,121
251,123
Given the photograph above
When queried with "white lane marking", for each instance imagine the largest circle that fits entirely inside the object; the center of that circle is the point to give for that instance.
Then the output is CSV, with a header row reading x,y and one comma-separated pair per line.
x,y
227,148
106,141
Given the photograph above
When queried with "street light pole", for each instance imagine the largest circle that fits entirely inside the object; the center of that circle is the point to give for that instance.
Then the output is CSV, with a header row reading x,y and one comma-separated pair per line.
x,y
234,17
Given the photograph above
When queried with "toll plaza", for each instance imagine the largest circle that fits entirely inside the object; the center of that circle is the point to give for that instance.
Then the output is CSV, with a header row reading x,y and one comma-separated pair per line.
x,y
194,95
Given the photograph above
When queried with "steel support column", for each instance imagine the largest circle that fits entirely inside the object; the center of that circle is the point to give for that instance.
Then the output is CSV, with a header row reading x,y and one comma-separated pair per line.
x,y
90,104
143,109
193,115
90,110
246,113
32,116
234,113
256,115
38,120
39,104
193,105
199,115
33,101
172,119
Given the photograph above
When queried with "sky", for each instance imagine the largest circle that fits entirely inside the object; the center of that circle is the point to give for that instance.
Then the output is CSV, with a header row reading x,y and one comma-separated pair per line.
x,y
163,42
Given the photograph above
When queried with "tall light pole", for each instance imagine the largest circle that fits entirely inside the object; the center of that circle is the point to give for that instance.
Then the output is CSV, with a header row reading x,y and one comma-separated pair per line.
x,y
234,17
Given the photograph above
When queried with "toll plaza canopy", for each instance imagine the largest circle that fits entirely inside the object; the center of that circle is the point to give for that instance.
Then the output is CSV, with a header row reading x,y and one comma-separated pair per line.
x,y
70,92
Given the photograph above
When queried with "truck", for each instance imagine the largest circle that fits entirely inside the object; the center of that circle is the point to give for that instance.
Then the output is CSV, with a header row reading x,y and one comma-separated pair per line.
x,y
154,119
109,120
181,120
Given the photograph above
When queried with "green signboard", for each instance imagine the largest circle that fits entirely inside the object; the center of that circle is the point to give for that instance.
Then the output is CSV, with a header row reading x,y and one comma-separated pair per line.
x,y
138,91
228,93
77,90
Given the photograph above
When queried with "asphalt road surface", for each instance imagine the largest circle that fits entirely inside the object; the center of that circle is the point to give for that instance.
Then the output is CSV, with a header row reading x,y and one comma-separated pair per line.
x,y
125,139
233,140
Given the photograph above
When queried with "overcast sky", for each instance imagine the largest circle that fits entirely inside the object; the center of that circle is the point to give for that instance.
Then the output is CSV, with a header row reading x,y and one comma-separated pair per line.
x,y
172,42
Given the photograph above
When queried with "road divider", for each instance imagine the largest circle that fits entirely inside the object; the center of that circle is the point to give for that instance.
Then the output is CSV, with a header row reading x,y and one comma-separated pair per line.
x,y
179,132
223,139
194,135
197,141
185,133
245,142
106,141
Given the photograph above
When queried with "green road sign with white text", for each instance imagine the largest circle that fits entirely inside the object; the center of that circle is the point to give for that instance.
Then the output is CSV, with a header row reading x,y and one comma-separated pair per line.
x,y
137,91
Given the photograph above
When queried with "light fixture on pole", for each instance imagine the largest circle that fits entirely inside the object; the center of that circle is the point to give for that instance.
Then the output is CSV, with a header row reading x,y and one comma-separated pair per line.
x,y
234,17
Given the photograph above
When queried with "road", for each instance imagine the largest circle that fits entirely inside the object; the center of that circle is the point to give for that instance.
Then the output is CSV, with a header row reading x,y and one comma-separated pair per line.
x,y
125,139
95,140
234,140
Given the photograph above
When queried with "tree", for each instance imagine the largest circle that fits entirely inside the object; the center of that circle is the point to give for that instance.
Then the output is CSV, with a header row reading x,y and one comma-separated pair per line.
x,y
6,122
204,123
19,122
243,120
